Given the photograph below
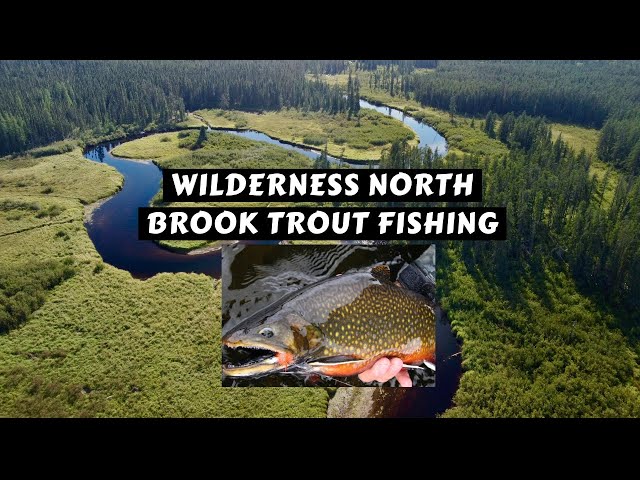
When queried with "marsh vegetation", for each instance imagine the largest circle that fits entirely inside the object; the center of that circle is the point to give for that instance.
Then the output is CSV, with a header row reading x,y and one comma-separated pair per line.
x,y
548,318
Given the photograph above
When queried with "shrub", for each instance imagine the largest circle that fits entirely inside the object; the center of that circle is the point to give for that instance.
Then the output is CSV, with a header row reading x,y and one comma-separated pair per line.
x,y
165,139
63,235
23,289
314,139
47,190
377,142
51,211
420,116
98,268
7,205
339,140
359,145
183,134
54,149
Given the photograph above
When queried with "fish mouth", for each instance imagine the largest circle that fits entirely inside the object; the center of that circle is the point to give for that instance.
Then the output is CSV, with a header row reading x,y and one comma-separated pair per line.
x,y
249,359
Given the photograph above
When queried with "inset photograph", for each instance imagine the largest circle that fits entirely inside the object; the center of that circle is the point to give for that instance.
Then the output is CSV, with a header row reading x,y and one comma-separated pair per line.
x,y
328,315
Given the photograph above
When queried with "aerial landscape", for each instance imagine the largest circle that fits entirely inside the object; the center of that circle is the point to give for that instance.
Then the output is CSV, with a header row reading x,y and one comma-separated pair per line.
x,y
96,323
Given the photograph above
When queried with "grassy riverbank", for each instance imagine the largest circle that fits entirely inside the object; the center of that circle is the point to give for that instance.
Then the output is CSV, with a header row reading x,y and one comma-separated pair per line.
x,y
219,150
463,137
463,134
102,343
361,138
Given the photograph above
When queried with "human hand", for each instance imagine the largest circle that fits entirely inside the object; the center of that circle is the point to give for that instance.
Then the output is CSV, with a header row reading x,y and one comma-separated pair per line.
x,y
384,370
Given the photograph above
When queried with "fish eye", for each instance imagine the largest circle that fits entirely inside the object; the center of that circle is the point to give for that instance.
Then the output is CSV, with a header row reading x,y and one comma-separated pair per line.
x,y
266,332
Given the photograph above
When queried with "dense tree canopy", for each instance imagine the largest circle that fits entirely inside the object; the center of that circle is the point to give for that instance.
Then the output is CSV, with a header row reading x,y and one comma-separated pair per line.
x,y
584,93
45,101
590,93
543,314
619,144
554,210
405,66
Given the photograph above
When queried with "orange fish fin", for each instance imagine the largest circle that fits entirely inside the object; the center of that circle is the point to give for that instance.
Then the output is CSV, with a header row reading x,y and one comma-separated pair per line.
x,y
423,355
341,369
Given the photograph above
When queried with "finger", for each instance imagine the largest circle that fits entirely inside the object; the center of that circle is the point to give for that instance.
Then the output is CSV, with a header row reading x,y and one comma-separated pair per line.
x,y
377,370
395,365
380,368
404,379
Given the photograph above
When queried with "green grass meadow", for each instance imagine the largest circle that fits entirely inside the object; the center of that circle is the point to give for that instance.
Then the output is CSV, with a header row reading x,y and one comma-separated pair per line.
x,y
103,343
80,338
361,138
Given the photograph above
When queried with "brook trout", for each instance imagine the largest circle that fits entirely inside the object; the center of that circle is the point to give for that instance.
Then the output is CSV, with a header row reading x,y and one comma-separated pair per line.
x,y
337,327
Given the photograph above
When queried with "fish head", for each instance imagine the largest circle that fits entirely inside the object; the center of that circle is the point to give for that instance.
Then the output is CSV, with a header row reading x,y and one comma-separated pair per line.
x,y
270,343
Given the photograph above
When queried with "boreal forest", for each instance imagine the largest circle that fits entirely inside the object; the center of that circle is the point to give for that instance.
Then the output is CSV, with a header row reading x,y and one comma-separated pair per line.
x,y
42,102
547,320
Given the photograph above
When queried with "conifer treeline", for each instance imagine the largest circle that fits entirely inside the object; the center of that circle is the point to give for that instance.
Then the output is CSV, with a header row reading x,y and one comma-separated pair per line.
x,y
326,67
554,210
619,144
404,66
584,93
45,101
600,94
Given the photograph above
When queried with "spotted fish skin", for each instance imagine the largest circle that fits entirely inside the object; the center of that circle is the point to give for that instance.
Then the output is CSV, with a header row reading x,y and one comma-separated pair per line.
x,y
342,325
384,320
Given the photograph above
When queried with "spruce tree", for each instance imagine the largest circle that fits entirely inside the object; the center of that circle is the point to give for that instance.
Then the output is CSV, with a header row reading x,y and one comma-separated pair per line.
x,y
490,124
392,81
356,96
453,108
322,161
350,96
505,127
202,137
633,160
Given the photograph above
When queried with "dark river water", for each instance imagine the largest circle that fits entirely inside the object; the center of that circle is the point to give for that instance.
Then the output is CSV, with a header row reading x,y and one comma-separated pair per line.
x,y
114,225
114,231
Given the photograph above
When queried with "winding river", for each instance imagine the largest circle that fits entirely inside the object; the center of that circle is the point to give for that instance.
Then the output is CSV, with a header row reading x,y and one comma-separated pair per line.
x,y
114,224
427,136
113,228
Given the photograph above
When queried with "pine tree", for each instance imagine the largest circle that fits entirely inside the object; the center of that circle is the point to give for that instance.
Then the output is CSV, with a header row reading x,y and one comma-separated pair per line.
x,y
350,96
356,96
224,100
633,160
202,137
489,124
505,127
453,108
322,161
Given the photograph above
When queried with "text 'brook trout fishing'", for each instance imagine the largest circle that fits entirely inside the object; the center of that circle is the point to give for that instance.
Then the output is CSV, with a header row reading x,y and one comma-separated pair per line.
x,y
337,327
